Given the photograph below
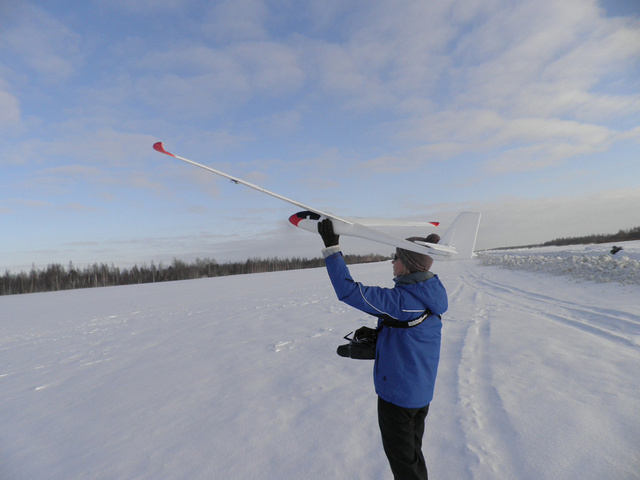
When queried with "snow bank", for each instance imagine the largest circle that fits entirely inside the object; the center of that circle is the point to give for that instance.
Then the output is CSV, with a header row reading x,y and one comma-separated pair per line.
x,y
589,262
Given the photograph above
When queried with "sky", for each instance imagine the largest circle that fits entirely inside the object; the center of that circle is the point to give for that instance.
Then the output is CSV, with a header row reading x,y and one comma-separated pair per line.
x,y
526,111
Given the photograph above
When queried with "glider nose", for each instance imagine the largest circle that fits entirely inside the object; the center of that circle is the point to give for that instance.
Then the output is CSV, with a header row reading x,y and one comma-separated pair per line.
x,y
310,220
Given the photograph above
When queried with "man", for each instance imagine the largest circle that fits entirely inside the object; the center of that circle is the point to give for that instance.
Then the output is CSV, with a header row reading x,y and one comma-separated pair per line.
x,y
407,358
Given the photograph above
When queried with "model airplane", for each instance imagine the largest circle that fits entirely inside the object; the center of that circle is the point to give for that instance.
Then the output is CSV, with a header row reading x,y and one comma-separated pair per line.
x,y
457,242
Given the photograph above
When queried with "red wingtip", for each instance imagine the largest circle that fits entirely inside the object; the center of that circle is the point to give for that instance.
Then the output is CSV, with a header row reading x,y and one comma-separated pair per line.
x,y
160,148
294,219
435,224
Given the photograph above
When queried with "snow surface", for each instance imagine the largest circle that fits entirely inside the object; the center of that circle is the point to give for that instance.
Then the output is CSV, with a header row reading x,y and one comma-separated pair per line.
x,y
237,377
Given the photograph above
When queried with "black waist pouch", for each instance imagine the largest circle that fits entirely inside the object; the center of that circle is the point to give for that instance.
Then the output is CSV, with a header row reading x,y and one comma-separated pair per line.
x,y
362,346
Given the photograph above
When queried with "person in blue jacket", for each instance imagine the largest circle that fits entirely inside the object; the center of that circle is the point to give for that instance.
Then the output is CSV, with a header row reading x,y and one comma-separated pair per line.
x,y
406,360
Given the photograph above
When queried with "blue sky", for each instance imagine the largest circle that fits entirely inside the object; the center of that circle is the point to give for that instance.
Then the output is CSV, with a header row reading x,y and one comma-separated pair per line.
x,y
528,111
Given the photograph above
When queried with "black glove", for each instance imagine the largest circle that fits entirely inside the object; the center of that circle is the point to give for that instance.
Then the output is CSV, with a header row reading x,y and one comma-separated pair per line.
x,y
325,229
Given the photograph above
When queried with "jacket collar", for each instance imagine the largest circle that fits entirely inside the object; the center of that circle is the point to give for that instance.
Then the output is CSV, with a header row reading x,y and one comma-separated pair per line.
x,y
415,277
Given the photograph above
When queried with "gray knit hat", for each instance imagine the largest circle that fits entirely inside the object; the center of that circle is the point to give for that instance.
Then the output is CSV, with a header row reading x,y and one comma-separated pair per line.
x,y
417,262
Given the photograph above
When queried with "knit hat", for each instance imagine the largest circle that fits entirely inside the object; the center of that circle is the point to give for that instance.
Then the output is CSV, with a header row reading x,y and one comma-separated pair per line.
x,y
417,262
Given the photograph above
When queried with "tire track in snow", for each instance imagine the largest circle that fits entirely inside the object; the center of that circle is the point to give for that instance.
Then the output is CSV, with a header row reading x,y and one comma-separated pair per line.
x,y
607,324
530,376
509,307
490,447
490,436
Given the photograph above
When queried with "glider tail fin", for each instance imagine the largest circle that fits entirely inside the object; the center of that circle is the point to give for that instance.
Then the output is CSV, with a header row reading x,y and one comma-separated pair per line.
x,y
462,234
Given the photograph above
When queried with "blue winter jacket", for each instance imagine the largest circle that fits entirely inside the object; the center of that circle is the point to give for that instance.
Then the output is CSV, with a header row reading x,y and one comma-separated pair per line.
x,y
406,358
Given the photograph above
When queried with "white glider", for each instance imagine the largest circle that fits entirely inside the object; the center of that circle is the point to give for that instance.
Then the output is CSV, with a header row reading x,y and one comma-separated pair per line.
x,y
457,242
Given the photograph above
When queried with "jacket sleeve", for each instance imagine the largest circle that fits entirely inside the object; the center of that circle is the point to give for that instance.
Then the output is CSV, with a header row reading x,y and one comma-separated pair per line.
x,y
371,300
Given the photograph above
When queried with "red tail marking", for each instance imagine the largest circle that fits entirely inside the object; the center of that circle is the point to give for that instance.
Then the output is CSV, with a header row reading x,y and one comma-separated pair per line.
x,y
435,224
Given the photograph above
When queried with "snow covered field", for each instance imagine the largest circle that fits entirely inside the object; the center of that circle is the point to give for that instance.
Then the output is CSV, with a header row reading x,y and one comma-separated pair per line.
x,y
237,377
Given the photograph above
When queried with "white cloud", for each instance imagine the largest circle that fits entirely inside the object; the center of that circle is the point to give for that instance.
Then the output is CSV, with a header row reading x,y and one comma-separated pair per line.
x,y
104,147
79,207
236,20
529,83
9,111
201,80
271,67
392,52
633,134
147,7
552,64
72,171
518,144
45,45
30,203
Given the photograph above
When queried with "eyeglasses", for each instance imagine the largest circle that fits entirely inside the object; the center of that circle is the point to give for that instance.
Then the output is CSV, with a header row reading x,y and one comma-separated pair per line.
x,y
395,257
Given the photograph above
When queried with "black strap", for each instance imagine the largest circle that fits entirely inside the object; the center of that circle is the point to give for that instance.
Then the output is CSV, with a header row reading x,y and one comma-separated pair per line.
x,y
388,321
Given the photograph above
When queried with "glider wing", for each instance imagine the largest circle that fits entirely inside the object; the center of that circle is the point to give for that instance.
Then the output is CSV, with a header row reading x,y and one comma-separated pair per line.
x,y
457,242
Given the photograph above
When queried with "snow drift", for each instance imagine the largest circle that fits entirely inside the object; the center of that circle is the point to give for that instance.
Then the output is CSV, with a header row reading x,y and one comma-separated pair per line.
x,y
588,262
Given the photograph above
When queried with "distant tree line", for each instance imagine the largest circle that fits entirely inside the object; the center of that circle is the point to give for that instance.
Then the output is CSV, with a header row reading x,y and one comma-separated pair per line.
x,y
621,236
57,277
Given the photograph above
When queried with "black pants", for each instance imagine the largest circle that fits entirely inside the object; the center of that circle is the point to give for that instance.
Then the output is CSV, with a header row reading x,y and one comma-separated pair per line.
x,y
402,430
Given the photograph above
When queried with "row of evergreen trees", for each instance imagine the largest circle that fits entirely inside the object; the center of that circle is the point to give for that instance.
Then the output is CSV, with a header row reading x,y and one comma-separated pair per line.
x,y
621,236
57,277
